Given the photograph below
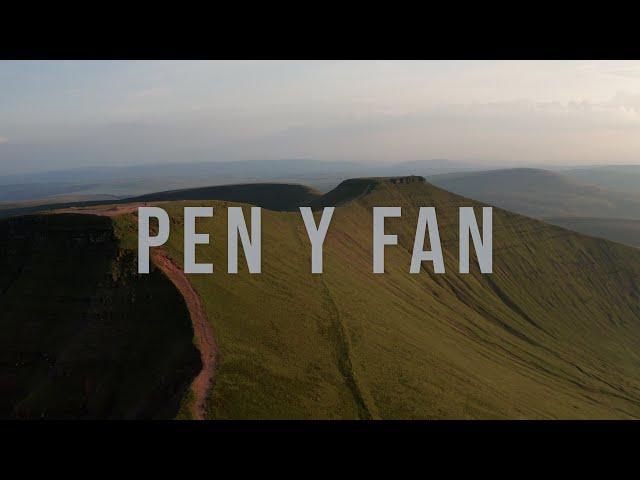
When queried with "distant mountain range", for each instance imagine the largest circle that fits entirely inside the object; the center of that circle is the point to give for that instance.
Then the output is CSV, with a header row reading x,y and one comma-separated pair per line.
x,y
603,198
583,200
142,179
124,181
617,229
541,193
615,177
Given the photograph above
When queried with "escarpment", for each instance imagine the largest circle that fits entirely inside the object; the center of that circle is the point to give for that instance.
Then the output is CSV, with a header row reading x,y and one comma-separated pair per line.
x,y
82,335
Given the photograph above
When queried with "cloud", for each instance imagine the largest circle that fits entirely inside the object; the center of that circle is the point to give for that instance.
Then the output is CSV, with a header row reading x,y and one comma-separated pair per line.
x,y
3,139
626,100
151,92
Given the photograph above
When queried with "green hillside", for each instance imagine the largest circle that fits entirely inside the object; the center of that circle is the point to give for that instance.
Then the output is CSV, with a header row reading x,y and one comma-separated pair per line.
x,y
552,333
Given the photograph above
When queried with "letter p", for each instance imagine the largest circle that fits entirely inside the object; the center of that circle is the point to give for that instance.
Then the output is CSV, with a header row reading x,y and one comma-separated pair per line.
x,y
144,239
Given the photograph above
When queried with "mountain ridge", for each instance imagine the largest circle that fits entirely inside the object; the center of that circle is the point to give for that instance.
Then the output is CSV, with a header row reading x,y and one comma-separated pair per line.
x,y
552,333
505,345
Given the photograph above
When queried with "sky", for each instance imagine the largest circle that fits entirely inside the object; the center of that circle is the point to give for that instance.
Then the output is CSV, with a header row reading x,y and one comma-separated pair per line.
x,y
66,114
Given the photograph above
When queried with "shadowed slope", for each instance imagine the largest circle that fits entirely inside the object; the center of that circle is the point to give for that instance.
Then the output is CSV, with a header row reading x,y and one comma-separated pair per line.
x,y
82,334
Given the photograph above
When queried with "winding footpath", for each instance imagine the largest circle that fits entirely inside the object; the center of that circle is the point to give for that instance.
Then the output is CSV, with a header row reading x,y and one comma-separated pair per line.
x,y
203,333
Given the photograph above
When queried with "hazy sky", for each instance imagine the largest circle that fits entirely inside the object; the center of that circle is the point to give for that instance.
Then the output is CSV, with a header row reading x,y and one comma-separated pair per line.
x,y
66,114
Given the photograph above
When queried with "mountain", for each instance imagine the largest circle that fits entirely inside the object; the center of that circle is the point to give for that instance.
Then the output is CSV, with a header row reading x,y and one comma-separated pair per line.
x,y
31,192
133,180
142,179
541,193
614,177
616,229
187,170
274,196
552,333
446,346
260,169
16,206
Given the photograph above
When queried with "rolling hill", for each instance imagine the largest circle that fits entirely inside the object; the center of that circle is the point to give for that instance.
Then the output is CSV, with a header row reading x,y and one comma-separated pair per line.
x,y
552,333
616,229
274,196
131,180
541,193
613,177
55,200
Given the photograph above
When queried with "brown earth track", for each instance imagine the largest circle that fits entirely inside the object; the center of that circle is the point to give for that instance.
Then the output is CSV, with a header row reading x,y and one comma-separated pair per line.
x,y
203,333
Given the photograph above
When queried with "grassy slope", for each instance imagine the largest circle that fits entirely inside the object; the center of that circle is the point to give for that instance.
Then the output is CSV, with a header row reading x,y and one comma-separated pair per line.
x,y
81,334
552,333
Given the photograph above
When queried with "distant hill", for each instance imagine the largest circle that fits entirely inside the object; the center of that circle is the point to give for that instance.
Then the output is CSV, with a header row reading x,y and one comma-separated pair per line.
x,y
132,180
183,170
56,199
616,229
32,192
210,171
541,193
142,179
274,196
613,177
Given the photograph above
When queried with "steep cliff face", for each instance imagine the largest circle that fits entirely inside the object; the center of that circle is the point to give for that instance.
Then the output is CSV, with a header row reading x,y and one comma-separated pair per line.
x,y
82,335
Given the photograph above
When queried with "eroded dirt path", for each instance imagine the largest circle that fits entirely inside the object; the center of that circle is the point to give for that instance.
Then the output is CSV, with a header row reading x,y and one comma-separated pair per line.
x,y
203,333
